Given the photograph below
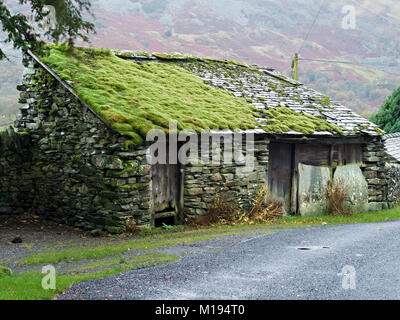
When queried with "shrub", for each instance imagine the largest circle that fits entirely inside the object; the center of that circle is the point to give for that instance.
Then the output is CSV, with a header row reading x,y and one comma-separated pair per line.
x,y
337,196
130,226
221,211
264,209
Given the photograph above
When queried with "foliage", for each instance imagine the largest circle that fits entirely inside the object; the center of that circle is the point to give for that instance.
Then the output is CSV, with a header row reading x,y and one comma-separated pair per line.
x,y
135,97
70,23
388,116
337,196
167,226
264,209
221,211
130,226
283,119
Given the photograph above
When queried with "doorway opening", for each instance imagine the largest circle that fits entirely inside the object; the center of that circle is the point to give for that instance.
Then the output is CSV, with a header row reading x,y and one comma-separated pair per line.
x,y
169,221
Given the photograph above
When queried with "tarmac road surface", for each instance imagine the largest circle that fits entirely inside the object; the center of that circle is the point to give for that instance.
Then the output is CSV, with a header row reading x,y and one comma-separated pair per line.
x,y
354,261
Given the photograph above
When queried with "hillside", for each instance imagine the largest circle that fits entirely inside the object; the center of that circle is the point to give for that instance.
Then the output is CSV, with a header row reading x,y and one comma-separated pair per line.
x,y
265,32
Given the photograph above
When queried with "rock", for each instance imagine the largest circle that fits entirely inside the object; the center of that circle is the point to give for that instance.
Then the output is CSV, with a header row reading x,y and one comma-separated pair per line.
x,y
371,174
32,126
114,230
17,240
115,164
216,177
98,160
228,176
194,191
375,181
375,206
96,233
372,159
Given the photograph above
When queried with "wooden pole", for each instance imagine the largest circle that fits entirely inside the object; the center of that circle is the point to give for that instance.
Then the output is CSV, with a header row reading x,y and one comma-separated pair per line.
x,y
295,66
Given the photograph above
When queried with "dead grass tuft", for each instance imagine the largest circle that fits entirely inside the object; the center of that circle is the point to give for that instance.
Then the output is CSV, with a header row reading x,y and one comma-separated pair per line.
x,y
223,211
131,226
265,209
337,195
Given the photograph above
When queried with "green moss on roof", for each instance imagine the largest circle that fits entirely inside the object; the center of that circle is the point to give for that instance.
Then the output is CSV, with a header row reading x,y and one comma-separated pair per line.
x,y
380,131
173,56
134,97
324,100
282,120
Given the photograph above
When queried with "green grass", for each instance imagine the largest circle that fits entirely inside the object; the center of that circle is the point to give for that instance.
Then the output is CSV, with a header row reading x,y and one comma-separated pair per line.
x,y
149,259
135,97
119,247
27,285
378,216
106,259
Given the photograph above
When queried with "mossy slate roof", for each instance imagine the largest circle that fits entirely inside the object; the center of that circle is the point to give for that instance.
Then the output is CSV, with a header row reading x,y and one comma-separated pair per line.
x,y
267,90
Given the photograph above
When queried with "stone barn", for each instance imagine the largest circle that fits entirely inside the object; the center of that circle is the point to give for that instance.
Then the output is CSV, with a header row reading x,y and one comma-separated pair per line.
x,y
80,151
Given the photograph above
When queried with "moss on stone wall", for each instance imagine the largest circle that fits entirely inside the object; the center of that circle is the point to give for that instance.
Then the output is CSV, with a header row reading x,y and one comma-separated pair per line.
x,y
283,120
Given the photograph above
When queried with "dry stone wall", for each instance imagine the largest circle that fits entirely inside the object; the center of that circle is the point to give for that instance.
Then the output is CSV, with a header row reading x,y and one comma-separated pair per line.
x,y
81,172
374,159
17,183
239,181
393,178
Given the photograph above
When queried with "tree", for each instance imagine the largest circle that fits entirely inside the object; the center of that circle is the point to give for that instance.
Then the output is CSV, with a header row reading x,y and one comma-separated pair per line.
x,y
388,116
70,24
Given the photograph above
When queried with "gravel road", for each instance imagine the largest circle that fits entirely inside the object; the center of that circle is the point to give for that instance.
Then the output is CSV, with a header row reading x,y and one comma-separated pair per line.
x,y
303,263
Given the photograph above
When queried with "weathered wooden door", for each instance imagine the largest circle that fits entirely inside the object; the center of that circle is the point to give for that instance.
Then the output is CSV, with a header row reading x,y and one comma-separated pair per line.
x,y
313,168
312,190
280,173
166,180
299,190
309,157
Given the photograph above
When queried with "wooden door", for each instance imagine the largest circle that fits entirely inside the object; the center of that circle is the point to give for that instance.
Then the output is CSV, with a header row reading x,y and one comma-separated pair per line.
x,y
280,173
284,162
166,180
309,155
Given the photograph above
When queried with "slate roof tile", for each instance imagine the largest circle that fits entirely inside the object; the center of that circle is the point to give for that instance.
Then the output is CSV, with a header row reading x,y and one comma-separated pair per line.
x,y
392,145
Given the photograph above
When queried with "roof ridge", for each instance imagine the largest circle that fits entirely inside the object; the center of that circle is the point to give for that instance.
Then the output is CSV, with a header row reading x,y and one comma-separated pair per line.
x,y
181,57
392,135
